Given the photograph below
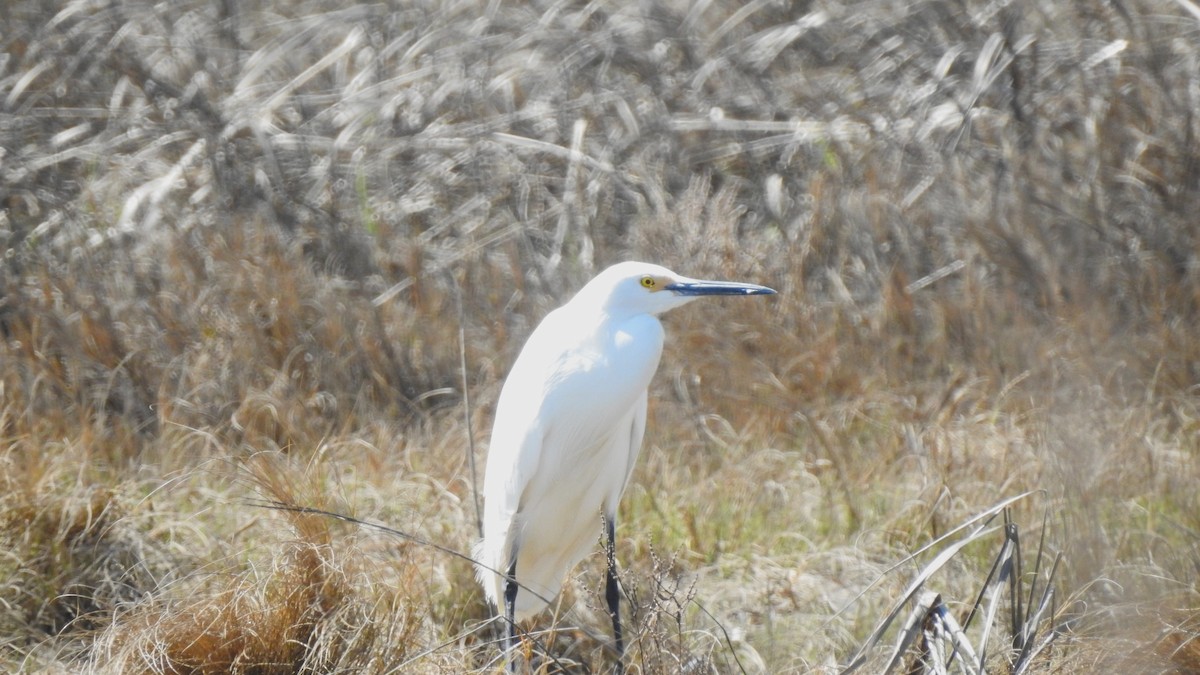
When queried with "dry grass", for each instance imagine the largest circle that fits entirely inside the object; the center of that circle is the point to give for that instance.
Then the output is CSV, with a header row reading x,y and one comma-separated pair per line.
x,y
245,242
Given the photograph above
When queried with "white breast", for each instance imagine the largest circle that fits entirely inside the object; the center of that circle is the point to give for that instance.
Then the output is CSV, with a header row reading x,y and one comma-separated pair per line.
x,y
582,392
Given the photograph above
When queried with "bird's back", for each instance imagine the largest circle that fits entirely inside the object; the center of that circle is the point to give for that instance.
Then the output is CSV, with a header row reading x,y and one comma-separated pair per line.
x,y
568,427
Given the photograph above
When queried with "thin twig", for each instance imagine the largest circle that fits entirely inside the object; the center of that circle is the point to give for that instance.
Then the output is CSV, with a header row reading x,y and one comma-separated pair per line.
x,y
466,393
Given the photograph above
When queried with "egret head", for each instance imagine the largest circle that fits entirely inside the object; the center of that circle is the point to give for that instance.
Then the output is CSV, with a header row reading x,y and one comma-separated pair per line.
x,y
644,288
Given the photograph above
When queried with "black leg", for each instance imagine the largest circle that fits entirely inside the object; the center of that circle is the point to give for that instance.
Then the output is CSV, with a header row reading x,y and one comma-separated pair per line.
x,y
510,614
612,593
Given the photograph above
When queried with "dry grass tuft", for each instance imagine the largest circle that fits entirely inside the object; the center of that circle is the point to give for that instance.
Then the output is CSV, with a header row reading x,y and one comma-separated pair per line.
x,y
69,562
305,603
264,623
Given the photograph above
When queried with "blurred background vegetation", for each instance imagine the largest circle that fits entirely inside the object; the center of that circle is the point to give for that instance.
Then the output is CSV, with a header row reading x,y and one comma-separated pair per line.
x,y
248,248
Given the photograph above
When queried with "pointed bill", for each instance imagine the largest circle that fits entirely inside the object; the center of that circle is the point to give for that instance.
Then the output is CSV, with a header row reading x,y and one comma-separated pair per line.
x,y
698,287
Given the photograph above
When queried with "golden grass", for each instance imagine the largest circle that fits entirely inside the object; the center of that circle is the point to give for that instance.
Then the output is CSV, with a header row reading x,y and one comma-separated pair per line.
x,y
244,244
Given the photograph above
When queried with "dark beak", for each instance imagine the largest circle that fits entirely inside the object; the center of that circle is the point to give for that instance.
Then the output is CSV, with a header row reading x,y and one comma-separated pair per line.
x,y
718,288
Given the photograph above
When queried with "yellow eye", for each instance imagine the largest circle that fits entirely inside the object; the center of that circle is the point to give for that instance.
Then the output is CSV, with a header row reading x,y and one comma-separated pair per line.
x,y
648,282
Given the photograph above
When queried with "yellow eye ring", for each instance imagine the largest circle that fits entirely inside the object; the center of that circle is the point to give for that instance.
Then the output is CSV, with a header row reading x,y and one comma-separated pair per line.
x,y
648,282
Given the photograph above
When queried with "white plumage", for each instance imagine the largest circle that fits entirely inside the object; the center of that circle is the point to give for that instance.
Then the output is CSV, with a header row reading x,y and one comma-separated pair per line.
x,y
568,428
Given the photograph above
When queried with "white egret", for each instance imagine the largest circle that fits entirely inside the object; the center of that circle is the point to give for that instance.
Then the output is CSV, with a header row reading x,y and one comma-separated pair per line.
x,y
569,425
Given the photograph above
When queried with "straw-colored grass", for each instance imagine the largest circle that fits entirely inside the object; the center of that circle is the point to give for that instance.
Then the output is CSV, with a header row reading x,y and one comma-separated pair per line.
x,y
255,255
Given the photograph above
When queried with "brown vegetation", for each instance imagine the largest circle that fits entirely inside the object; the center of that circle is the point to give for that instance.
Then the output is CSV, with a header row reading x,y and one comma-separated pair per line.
x,y
244,244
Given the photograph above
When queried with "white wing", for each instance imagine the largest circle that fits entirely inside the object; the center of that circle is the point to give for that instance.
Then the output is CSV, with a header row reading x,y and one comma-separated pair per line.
x,y
637,431
568,428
